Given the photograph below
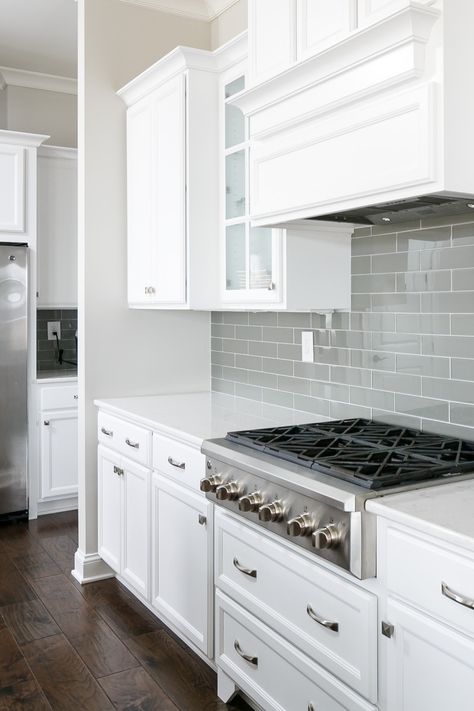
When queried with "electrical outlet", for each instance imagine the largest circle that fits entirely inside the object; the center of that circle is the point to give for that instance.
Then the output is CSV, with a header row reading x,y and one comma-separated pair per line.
x,y
54,326
307,345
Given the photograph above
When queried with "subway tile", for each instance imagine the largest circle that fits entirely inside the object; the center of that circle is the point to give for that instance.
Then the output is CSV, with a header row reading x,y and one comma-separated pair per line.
x,y
373,360
423,323
407,226
351,376
397,419
462,369
372,398
373,322
330,391
222,386
438,221
217,317
220,358
448,389
237,375
341,411
222,330
360,302
448,303
423,365
312,404
276,397
274,365
318,320
462,415
216,344
293,385
463,280
278,335
350,339
270,350
248,391
422,407
452,258
424,281
397,383
447,429
397,342
263,318
340,321
289,351
332,356
294,320
249,362
360,265
249,333
374,245
320,337
362,232
230,345
236,317
454,346
424,239
216,371
264,380
398,262
373,283
396,302
462,324
463,234
312,371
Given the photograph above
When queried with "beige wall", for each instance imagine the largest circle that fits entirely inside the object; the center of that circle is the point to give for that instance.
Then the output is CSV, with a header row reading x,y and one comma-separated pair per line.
x,y
38,111
121,351
229,24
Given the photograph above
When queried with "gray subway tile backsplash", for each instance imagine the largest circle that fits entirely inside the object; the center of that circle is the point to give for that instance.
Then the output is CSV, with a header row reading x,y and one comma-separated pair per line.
x,y
405,354
46,351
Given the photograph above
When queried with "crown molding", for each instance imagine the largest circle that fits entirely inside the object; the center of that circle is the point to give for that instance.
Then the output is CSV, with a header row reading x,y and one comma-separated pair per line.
x,y
18,138
10,76
197,9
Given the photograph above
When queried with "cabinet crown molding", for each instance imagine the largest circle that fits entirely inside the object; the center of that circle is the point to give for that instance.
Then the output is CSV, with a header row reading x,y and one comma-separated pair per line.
x,y
9,76
18,138
206,10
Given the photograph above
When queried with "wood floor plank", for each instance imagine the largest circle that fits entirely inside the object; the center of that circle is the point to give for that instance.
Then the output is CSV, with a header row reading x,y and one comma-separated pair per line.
x,y
61,549
24,696
58,594
36,565
66,682
13,668
13,586
28,621
135,690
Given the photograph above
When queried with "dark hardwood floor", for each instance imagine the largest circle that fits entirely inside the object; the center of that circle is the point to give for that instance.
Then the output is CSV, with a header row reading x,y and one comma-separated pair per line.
x,y
64,646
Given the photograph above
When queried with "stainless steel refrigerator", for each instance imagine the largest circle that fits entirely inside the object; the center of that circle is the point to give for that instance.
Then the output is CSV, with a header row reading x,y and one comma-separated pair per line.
x,y
13,380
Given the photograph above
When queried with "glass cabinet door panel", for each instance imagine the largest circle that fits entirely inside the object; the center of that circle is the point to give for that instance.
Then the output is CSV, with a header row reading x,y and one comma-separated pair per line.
x,y
233,87
234,126
235,184
260,257
236,273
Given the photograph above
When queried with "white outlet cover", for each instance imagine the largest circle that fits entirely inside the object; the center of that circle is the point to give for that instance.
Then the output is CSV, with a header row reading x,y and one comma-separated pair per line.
x,y
54,326
307,346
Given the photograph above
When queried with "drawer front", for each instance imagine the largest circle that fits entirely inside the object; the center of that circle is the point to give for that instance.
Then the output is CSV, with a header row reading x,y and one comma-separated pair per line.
x,y
417,570
327,617
275,675
128,439
59,398
178,461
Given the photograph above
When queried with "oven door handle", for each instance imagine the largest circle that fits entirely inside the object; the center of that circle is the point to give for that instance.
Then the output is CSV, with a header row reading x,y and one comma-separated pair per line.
x,y
333,626
456,597
245,571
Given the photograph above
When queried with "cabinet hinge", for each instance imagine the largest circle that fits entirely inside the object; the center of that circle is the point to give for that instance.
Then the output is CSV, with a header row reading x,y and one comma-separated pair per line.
x,y
387,629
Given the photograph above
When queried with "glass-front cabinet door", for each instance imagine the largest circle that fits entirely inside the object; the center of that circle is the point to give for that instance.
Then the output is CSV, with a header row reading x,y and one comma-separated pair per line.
x,y
251,255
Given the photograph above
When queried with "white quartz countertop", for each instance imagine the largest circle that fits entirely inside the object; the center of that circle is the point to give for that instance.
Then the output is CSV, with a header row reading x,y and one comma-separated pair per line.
x,y
195,417
445,511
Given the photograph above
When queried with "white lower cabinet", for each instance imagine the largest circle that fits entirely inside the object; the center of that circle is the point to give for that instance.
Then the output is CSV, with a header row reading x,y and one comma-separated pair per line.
x,y
58,454
181,560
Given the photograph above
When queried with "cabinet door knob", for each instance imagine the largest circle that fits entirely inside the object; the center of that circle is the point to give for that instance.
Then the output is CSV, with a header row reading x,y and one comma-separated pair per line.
x,y
202,520
118,471
76,397
46,422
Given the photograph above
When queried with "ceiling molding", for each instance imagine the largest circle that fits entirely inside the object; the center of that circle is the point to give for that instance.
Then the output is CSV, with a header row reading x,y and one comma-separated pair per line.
x,y
197,9
34,80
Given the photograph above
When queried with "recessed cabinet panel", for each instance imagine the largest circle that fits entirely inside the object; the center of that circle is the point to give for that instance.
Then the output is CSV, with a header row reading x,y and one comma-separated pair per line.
x,y
235,249
136,534
235,185
272,37
12,188
261,258
110,507
59,473
322,23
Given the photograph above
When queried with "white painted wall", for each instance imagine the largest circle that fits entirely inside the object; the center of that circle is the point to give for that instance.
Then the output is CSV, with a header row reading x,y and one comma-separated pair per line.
x,y
121,352
3,108
229,24
38,111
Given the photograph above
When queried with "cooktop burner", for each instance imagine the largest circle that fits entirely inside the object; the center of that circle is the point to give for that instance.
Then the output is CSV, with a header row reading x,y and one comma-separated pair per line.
x,y
372,454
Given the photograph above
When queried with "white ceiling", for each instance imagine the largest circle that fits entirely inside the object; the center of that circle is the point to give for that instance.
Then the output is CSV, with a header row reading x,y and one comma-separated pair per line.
x,y
39,36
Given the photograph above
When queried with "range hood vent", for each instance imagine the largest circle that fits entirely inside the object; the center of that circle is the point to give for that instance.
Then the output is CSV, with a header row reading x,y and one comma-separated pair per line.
x,y
416,208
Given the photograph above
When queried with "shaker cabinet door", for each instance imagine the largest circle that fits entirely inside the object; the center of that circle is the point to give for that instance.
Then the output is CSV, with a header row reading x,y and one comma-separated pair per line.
x,y
110,475
135,526
272,37
322,23
58,454
12,188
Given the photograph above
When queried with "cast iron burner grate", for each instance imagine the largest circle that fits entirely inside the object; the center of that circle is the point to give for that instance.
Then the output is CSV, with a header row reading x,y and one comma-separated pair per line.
x,y
372,454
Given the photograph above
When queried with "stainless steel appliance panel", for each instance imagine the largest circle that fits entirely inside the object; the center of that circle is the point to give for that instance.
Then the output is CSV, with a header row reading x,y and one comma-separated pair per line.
x,y
13,378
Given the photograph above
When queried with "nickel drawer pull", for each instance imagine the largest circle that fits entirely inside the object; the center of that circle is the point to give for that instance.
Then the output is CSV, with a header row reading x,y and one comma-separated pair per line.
x,y
248,657
118,471
108,433
456,597
174,463
334,626
135,445
311,707
245,571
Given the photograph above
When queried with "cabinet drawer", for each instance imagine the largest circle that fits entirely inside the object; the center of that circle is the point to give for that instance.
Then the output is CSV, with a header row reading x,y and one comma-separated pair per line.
x,y
125,437
417,570
178,461
59,398
327,617
276,675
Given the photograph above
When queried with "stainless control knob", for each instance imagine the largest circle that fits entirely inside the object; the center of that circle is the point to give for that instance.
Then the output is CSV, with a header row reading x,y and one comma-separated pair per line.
x,y
227,491
300,525
271,512
210,483
327,537
250,502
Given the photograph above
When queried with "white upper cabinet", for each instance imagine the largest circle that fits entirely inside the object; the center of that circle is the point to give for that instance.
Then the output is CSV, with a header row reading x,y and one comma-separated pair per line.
x,y
172,182
12,188
272,37
57,227
321,23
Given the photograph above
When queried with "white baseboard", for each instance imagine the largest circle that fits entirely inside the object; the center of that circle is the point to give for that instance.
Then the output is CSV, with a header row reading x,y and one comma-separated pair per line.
x,y
89,568
57,506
